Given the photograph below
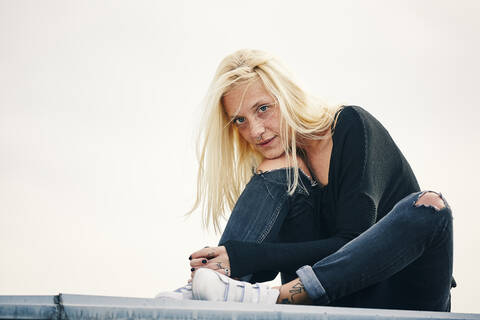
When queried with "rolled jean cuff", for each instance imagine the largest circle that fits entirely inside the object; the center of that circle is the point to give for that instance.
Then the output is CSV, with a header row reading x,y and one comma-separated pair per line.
x,y
314,288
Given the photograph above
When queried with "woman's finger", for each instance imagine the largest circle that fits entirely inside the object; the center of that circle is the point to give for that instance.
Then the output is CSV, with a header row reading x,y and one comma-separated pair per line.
x,y
222,257
213,264
223,270
217,263
219,266
200,262
208,253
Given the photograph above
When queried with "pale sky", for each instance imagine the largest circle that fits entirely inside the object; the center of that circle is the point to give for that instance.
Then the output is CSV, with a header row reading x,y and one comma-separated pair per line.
x,y
100,102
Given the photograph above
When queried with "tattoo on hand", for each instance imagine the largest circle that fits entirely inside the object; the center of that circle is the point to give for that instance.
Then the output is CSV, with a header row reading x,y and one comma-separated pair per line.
x,y
298,288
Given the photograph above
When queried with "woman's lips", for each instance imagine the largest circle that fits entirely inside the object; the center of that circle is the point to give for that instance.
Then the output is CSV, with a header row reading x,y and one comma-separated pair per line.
x,y
266,142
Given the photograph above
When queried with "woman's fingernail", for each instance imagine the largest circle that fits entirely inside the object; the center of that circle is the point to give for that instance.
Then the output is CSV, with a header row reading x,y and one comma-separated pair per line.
x,y
193,269
190,258
204,261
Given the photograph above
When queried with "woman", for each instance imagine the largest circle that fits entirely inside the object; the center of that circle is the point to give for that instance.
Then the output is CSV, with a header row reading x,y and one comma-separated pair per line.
x,y
373,240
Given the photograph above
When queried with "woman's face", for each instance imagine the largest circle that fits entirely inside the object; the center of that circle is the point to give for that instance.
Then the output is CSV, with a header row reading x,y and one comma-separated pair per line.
x,y
257,118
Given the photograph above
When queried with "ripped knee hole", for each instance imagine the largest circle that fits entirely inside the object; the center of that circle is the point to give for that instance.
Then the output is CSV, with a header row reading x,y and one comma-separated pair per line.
x,y
430,199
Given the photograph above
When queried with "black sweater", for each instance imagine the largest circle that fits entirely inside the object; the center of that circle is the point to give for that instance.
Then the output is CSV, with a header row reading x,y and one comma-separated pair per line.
x,y
367,176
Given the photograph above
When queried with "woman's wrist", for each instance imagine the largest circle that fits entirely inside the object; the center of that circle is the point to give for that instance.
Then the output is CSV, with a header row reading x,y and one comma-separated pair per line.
x,y
293,292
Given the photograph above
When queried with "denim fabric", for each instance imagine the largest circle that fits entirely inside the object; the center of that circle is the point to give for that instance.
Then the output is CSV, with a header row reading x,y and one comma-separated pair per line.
x,y
313,287
265,212
402,262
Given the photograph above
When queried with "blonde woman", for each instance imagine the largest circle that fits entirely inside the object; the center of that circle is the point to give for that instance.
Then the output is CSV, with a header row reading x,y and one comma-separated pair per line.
x,y
332,202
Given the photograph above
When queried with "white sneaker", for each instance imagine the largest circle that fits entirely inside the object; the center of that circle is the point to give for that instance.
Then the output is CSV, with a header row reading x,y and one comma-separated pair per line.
x,y
182,293
213,286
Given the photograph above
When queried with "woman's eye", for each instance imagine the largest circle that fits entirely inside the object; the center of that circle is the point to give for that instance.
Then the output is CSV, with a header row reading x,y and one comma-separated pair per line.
x,y
239,120
263,108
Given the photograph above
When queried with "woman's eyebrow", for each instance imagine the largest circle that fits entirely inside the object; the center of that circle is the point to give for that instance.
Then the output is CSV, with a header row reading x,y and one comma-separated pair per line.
x,y
259,103
254,106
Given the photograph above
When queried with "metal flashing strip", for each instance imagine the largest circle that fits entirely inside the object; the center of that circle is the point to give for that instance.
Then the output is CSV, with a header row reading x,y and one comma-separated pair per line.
x,y
73,307
28,307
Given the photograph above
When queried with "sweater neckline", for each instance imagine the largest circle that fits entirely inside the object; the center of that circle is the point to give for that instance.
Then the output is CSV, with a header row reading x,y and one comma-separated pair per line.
x,y
321,186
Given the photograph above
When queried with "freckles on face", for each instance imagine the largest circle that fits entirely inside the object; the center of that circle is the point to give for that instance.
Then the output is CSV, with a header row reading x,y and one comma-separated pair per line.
x,y
253,111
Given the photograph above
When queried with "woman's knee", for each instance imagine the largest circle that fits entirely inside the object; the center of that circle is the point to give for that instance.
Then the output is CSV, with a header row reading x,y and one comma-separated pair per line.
x,y
414,210
430,202
430,199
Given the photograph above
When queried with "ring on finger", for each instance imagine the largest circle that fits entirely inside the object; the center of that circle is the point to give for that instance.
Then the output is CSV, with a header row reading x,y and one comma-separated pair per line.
x,y
227,271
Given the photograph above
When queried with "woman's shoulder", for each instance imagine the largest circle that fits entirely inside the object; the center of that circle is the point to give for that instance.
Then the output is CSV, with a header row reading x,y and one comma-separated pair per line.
x,y
348,121
354,119
350,113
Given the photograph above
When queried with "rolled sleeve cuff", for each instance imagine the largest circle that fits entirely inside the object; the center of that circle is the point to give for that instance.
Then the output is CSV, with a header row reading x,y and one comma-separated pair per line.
x,y
314,288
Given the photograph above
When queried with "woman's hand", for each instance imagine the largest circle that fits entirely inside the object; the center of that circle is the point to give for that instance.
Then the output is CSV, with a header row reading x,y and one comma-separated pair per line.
x,y
215,258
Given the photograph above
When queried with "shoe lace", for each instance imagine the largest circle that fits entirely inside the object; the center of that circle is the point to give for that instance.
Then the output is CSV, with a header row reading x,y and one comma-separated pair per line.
x,y
186,288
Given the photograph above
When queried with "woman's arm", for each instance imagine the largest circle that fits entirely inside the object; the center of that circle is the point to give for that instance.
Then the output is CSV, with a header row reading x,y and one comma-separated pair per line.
x,y
259,215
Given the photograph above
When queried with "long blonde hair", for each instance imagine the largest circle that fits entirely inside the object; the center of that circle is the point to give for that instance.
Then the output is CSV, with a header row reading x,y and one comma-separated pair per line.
x,y
226,160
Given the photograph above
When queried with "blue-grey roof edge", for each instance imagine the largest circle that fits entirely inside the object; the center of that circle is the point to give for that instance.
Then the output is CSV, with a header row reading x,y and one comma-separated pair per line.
x,y
73,306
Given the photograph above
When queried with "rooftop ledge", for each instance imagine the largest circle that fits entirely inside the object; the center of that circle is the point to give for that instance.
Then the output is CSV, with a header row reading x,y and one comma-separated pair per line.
x,y
71,306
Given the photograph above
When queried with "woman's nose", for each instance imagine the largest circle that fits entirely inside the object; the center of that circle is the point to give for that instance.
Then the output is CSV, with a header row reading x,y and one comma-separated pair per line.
x,y
257,129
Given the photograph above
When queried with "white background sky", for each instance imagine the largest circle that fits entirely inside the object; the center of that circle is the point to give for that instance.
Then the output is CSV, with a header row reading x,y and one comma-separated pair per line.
x,y
100,102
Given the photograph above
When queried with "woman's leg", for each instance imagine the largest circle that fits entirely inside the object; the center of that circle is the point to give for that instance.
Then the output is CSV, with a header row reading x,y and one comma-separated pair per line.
x,y
266,213
403,261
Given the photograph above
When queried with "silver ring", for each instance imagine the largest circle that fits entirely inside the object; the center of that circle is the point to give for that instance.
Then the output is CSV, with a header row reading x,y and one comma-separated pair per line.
x,y
227,271
259,138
